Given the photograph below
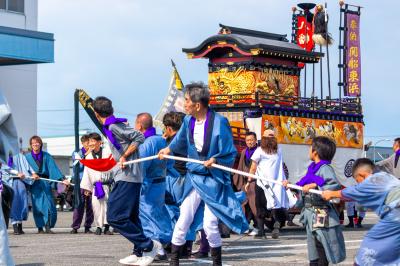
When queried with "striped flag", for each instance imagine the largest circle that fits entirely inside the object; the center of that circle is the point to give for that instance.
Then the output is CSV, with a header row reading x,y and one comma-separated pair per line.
x,y
175,97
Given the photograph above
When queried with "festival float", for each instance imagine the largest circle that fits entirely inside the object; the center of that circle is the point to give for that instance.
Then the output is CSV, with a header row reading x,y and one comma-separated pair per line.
x,y
260,80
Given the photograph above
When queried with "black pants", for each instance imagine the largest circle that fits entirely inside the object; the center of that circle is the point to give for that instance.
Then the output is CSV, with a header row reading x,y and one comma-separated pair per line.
x,y
7,196
277,215
123,214
261,203
322,260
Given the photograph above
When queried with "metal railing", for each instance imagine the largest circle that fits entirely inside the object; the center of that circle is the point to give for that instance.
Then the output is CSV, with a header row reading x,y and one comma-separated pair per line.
x,y
344,105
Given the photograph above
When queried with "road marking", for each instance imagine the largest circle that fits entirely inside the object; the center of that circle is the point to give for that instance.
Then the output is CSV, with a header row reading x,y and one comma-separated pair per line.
x,y
207,261
276,246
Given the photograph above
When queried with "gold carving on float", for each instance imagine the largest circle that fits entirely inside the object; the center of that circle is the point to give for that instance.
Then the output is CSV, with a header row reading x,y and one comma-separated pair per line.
x,y
189,55
300,130
221,42
236,82
241,81
277,82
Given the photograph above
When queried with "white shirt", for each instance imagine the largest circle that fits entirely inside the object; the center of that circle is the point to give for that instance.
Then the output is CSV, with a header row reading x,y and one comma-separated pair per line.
x,y
270,166
260,155
198,134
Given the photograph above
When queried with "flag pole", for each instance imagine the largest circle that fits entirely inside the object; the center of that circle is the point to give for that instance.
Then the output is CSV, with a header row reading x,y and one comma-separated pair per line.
x,y
76,177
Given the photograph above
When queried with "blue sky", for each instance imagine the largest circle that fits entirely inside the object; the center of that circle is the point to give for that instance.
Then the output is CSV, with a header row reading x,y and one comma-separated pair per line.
x,y
122,49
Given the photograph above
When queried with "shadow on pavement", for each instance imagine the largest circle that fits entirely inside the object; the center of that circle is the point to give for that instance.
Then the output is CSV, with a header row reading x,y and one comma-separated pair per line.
x,y
30,264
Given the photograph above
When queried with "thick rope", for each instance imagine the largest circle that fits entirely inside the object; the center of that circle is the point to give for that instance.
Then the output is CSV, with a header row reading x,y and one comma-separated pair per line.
x,y
231,170
48,180
141,160
15,172
221,167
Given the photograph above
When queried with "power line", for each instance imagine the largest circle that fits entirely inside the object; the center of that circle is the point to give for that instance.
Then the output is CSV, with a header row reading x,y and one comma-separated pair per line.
x,y
63,124
381,136
71,110
56,110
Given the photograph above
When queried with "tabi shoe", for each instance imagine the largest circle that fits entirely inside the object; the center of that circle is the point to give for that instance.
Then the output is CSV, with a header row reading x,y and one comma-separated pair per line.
x,y
74,231
48,230
40,230
216,255
130,260
275,232
88,231
107,230
160,258
174,258
260,235
16,231
98,231
225,235
200,255
148,257
351,222
20,229
185,250
291,223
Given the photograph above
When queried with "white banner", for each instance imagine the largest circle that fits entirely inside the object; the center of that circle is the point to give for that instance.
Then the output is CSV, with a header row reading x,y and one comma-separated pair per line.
x,y
296,157
254,125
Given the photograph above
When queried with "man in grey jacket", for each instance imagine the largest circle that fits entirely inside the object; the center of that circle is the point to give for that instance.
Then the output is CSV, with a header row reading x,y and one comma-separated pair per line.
x,y
123,202
391,165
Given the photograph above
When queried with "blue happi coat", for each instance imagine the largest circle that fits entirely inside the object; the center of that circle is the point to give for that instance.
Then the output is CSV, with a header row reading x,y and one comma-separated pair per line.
x,y
153,212
43,206
19,210
381,193
213,185
178,186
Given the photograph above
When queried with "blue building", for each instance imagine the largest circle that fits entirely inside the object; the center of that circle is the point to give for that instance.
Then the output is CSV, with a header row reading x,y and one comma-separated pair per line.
x,y
22,47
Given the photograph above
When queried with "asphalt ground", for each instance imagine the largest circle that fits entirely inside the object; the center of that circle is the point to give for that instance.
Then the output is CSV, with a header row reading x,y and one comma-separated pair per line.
x,y
64,248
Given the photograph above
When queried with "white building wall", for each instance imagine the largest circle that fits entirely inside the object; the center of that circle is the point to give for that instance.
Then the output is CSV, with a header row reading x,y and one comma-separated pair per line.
x,y
27,21
19,83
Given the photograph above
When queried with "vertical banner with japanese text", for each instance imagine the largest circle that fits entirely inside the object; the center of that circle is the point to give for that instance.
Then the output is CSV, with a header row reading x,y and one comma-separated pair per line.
x,y
304,33
352,55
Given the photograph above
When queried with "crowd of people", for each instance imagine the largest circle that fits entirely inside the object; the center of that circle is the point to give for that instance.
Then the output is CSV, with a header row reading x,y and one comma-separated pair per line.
x,y
160,205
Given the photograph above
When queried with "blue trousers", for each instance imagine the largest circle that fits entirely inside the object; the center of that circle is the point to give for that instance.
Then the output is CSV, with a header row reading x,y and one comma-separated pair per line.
x,y
123,214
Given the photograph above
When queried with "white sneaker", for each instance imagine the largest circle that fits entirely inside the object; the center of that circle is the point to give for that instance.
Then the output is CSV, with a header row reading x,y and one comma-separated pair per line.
x,y
130,260
148,257
253,232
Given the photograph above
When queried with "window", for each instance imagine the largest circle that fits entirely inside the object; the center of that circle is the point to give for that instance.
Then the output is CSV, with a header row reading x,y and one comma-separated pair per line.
x,y
16,6
3,4
13,5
